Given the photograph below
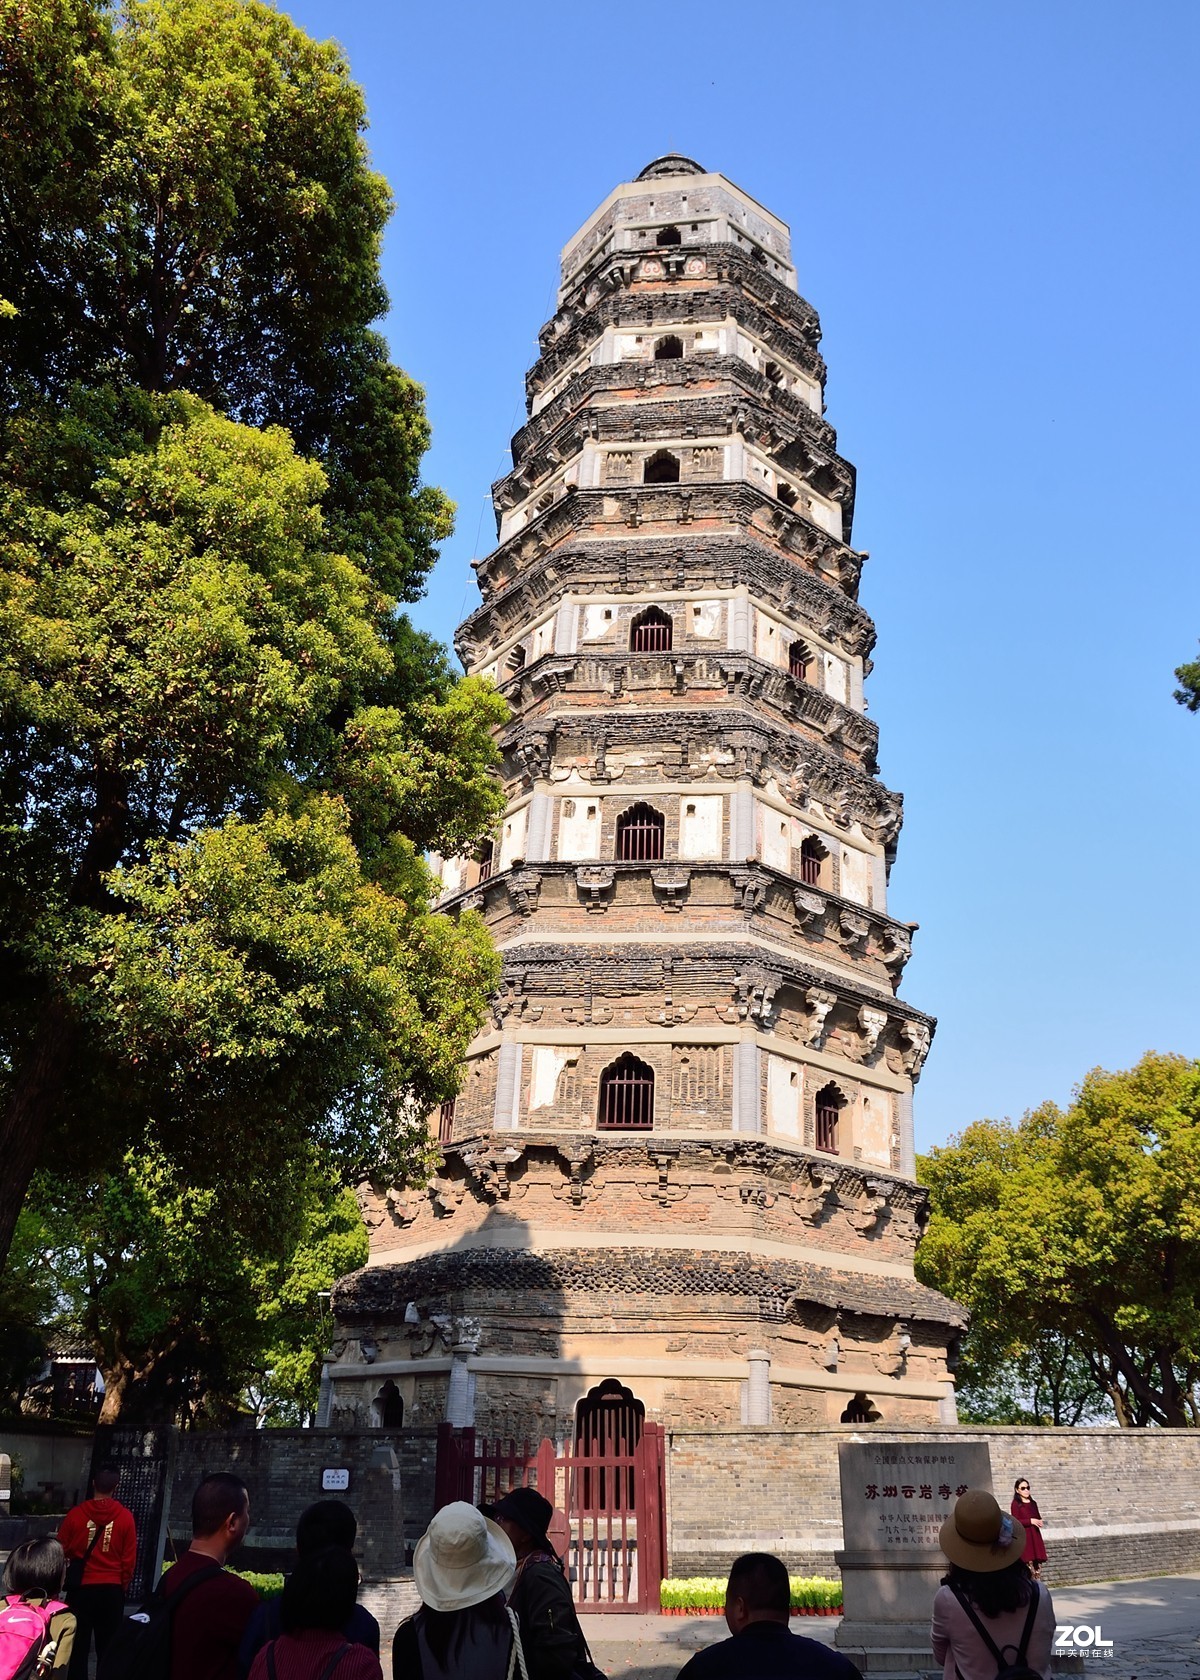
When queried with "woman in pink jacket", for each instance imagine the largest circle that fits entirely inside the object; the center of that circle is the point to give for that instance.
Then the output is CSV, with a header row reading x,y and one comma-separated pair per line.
x,y
989,1613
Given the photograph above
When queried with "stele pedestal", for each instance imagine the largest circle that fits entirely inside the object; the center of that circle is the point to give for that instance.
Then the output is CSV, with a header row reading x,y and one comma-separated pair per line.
x,y
895,1497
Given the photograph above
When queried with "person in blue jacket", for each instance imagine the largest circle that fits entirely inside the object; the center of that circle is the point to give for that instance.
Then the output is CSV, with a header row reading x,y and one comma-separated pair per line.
x,y
327,1523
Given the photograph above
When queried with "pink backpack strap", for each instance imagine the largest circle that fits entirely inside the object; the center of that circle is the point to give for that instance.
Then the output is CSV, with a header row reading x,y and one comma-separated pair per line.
x,y
53,1607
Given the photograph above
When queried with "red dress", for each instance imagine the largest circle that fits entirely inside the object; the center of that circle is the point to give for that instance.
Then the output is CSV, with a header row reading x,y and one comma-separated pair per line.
x,y
1035,1546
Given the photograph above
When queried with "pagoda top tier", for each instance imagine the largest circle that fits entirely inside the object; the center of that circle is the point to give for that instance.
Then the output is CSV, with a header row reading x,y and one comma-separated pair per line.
x,y
676,202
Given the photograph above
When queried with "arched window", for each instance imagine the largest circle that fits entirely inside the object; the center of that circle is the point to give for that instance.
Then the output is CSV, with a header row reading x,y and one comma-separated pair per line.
x,y
661,468
786,494
608,1425
773,372
446,1121
650,632
862,1409
486,855
669,236
799,659
669,349
388,1407
640,834
626,1096
812,860
516,659
830,1103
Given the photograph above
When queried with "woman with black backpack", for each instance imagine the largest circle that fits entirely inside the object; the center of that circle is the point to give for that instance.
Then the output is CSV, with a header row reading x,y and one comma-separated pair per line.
x,y
990,1617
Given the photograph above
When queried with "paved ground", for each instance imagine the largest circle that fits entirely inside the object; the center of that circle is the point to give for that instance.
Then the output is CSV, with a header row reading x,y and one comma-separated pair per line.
x,y
1154,1626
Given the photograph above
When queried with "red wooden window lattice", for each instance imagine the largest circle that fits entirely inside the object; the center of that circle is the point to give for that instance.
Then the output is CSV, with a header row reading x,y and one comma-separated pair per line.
x,y
828,1104
640,834
810,863
798,661
627,1097
446,1121
650,632
608,1425
485,860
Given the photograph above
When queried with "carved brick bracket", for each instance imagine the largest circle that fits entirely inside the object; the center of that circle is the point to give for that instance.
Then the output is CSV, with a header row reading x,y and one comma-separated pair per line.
x,y
915,1035
670,886
750,887
810,909
819,1003
523,888
871,1024
852,930
594,884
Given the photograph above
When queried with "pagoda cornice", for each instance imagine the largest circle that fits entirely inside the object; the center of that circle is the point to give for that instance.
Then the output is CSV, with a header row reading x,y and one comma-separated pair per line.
x,y
669,510
710,413
737,983
754,895
635,565
706,369
678,673
726,268
759,748
776,316
779,1288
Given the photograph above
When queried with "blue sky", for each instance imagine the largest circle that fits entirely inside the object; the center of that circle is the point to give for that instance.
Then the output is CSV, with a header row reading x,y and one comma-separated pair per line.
x,y
994,208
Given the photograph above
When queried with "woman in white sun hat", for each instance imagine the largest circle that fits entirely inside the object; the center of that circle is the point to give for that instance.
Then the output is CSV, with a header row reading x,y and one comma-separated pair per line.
x,y
989,1613
463,1565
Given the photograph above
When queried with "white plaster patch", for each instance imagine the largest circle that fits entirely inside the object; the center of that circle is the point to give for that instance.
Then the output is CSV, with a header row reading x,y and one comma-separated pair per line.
x,y
875,1128
856,875
775,840
512,839
578,829
700,824
548,1062
785,1091
597,621
706,619
835,677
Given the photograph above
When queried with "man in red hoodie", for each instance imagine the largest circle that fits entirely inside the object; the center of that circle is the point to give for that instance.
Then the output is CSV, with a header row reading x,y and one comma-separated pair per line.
x,y
101,1531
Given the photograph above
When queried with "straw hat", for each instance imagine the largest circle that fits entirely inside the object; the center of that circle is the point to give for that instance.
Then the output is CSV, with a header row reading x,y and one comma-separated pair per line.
x,y
978,1535
462,1558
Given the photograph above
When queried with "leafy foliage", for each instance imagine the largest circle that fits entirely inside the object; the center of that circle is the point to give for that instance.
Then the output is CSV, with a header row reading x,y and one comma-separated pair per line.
x,y
1074,1236
192,1296
1188,692
222,747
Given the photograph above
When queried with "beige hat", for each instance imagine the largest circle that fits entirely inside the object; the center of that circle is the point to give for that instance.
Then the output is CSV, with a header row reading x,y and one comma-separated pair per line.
x,y
463,1558
978,1535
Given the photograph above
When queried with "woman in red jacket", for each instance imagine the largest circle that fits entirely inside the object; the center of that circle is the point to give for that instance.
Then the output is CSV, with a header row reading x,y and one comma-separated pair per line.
x,y
1024,1508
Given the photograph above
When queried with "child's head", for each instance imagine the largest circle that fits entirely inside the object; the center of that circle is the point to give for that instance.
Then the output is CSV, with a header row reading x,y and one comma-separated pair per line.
x,y
36,1569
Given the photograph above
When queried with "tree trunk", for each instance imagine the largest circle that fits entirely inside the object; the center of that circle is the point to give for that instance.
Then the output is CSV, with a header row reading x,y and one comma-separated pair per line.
x,y
115,1384
36,1093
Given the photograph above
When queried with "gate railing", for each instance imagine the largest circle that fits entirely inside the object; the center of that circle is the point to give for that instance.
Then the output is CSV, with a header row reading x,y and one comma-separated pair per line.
x,y
615,1558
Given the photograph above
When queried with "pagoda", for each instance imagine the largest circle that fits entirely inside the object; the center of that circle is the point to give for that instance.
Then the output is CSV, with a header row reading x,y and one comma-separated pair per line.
x,y
678,1178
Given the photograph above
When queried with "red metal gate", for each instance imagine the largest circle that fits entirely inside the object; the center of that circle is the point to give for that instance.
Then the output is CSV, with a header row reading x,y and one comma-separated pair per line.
x,y
615,1558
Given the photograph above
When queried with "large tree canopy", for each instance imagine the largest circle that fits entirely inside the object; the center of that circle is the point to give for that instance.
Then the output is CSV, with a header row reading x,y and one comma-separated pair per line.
x,y
222,747
185,203
1075,1234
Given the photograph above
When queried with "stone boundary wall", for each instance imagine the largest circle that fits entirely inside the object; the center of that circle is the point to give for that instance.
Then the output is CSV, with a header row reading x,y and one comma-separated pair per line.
x,y
282,1469
1116,1502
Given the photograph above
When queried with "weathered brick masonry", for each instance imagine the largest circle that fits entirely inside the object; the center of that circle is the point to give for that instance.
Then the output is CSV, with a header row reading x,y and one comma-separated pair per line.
x,y
1117,1503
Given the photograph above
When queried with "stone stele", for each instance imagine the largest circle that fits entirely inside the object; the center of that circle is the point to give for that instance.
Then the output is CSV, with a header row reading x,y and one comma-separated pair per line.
x,y
895,1497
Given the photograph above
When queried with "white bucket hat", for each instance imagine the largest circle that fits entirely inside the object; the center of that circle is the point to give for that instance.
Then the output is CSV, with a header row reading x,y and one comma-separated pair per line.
x,y
463,1558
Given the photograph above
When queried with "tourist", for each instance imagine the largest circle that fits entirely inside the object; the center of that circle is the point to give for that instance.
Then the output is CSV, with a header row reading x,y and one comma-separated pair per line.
x,y
327,1523
463,1565
100,1541
211,1620
555,1648
34,1610
1024,1508
989,1613
761,1645
318,1600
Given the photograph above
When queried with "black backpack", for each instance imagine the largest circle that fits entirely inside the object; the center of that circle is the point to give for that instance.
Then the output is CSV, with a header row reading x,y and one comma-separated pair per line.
x,y
1018,1670
142,1649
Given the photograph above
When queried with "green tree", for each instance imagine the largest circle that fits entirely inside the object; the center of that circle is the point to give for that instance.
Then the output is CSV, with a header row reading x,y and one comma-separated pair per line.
x,y
1075,1234
1188,692
191,1297
222,748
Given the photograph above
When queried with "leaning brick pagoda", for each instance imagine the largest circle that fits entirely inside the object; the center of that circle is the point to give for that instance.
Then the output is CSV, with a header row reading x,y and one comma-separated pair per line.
x,y
680,1167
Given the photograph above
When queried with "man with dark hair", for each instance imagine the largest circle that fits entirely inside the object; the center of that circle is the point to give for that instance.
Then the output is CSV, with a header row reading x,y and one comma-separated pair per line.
x,y
762,1646
212,1617
100,1541
329,1524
